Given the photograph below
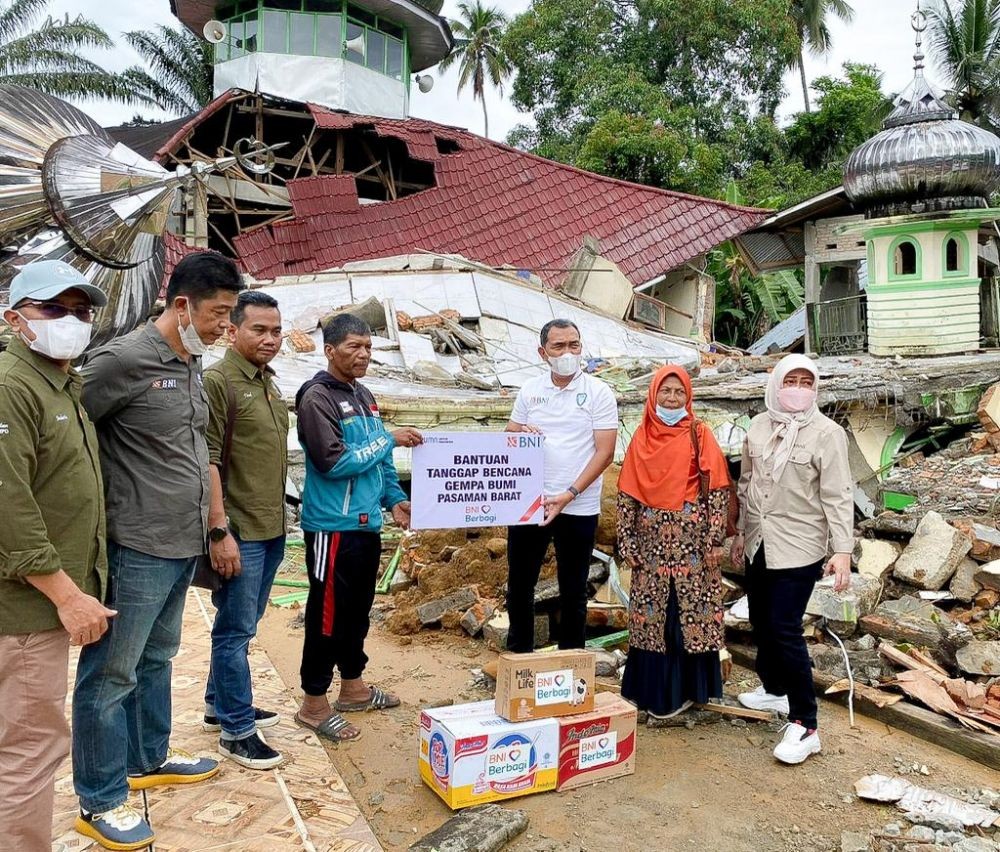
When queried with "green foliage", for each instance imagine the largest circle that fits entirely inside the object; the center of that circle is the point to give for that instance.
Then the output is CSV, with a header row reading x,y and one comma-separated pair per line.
x,y
810,18
479,51
966,44
179,79
849,112
46,56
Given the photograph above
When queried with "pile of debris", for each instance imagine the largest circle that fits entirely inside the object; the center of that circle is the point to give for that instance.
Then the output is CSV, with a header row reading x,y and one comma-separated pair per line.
x,y
457,580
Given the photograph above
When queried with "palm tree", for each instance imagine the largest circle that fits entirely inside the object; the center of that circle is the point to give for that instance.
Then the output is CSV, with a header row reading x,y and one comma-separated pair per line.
x,y
479,51
810,18
966,46
46,56
180,63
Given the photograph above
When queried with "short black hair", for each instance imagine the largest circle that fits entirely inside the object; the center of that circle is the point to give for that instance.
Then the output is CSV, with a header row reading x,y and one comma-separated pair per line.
x,y
556,323
250,299
200,274
337,330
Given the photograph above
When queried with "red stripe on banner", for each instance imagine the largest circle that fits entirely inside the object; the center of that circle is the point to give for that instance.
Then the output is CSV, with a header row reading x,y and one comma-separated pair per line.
x,y
532,509
328,599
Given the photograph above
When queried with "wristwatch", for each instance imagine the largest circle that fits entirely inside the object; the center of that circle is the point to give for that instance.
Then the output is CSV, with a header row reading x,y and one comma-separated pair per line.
x,y
574,491
217,534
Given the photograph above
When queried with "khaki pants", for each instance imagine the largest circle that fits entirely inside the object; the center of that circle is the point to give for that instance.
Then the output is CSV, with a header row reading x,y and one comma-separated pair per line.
x,y
34,735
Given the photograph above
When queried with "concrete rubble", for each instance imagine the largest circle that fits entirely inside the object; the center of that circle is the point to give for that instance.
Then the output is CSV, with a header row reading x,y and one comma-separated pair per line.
x,y
484,828
933,554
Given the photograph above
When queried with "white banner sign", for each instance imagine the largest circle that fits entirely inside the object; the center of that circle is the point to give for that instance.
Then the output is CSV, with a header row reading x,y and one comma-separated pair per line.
x,y
477,479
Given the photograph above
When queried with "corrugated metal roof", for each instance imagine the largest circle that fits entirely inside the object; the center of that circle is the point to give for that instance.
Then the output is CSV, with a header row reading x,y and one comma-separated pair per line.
x,y
784,336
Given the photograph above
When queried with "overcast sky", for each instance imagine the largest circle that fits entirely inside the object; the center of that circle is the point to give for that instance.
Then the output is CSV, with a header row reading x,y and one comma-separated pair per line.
x,y
879,35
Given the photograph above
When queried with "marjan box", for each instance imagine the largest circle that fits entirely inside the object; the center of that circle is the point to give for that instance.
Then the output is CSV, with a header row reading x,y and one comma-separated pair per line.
x,y
469,755
598,745
545,684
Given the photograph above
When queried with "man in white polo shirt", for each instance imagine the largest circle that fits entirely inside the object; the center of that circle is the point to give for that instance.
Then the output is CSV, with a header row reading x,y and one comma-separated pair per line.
x,y
578,416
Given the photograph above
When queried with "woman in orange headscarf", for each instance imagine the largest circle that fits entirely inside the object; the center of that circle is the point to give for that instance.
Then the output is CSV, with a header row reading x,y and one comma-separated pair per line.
x,y
671,533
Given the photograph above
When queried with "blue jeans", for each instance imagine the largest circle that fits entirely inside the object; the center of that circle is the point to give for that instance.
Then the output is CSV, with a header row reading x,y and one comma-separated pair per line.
x,y
121,705
240,605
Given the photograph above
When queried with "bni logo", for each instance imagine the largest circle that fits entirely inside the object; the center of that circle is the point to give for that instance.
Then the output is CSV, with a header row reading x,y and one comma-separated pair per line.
x,y
598,751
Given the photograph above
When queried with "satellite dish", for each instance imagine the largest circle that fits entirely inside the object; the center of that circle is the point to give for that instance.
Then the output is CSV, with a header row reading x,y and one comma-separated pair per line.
x,y
425,82
214,31
356,45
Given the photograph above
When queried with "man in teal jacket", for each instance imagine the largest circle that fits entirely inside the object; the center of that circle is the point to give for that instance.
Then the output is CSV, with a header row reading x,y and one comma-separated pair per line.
x,y
350,479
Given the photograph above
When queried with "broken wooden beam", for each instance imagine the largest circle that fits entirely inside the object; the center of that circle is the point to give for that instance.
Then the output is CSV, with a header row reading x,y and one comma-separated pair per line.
x,y
925,724
739,712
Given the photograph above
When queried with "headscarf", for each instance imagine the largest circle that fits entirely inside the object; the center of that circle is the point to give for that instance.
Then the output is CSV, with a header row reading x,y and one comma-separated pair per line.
x,y
659,469
784,425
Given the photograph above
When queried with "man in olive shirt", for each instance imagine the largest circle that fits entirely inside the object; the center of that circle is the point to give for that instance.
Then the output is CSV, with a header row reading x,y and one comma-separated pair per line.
x,y
251,478
144,393
53,566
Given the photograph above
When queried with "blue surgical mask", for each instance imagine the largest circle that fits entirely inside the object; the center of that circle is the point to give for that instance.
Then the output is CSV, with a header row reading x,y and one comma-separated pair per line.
x,y
671,416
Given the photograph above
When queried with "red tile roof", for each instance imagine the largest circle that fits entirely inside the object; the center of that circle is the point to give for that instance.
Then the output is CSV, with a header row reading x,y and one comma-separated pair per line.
x,y
492,204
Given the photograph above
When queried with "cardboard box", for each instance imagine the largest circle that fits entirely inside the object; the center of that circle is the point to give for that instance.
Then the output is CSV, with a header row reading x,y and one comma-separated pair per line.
x,y
541,685
470,756
598,745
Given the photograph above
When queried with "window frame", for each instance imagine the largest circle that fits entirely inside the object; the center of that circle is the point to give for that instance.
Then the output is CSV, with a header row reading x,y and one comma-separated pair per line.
x,y
918,259
223,51
964,255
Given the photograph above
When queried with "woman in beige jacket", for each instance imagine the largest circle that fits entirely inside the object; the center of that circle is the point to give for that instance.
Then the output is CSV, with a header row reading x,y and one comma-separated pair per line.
x,y
797,507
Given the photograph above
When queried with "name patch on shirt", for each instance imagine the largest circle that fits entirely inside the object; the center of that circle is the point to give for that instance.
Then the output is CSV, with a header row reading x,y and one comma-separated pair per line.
x,y
164,384
4,429
346,407
62,418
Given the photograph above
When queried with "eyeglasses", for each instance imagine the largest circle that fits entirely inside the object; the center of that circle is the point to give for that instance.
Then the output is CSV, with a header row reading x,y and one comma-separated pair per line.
x,y
57,310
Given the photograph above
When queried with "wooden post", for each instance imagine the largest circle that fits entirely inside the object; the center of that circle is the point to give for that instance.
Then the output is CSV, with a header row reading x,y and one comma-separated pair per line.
x,y
812,286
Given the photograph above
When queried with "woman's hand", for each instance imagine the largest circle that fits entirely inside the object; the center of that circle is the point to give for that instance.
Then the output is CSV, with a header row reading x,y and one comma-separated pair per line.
x,y
714,556
840,567
738,550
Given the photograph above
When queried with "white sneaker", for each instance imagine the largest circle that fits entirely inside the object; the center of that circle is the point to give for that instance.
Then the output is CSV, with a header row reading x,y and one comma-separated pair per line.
x,y
797,744
761,700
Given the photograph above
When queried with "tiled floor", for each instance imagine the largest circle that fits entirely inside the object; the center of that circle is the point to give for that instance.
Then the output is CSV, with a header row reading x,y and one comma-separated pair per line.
x,y
303,805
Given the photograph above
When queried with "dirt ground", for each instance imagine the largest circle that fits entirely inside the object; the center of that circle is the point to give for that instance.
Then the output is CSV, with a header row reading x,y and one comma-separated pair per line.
x,y
716,787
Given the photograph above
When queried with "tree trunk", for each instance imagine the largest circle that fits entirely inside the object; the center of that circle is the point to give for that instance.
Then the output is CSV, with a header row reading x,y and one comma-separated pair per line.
x,y
805,82
486,118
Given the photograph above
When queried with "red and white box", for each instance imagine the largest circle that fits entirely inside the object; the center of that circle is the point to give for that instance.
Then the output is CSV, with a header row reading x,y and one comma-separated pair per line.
x,y
598,745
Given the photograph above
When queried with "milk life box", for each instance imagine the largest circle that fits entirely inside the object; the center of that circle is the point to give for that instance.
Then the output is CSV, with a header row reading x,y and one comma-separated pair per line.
x,y
469,755
552,683
598,745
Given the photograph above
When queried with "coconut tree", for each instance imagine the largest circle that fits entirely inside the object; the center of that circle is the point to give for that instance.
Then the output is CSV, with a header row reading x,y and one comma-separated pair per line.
x,y
179,79
479,52
965,42
810,18
45,54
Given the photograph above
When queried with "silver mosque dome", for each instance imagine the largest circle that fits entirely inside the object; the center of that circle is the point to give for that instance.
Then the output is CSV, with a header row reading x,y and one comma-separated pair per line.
x,y
925,159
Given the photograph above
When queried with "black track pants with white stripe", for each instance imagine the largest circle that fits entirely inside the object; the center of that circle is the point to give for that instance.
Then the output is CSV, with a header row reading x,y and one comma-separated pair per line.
x,y
343,567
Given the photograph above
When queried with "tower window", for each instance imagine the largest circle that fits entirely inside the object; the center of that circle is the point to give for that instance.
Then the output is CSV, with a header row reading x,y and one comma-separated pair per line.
x,y
952,255
905,259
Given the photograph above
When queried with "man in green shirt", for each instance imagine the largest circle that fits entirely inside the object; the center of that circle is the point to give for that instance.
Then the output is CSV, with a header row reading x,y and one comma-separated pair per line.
x,y
249,481
53,566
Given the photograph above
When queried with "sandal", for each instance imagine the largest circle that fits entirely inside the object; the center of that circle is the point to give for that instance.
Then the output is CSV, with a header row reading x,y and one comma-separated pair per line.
x,y
333,729
377,700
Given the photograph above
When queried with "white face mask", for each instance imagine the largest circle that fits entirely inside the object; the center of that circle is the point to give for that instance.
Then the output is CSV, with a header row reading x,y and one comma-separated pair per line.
x,y
565,365
61,339
189,337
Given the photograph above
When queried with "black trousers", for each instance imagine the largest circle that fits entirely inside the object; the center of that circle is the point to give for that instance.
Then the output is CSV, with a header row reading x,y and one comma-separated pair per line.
x,y
574,537
343,567
778,599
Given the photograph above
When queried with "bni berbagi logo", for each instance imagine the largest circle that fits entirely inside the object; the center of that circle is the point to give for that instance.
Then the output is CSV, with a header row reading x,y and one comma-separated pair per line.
x,y
511,764
554,687
598,751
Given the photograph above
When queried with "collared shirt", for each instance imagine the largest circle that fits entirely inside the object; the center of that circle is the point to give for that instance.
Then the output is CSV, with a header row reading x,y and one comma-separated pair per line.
x,y
50,489
258,461
151,414
568,418
811,508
